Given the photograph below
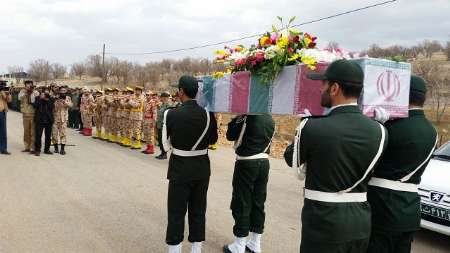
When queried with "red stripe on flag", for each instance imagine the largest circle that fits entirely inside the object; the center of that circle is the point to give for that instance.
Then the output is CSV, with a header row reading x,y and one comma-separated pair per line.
x,y
240,89
309,91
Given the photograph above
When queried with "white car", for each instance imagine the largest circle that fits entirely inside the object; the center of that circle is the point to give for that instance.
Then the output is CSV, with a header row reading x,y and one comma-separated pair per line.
x,y
434,191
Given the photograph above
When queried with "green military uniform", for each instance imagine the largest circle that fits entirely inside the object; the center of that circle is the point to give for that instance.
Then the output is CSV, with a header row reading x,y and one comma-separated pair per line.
x,y
190,130
339,151
159,123
393,189
252,135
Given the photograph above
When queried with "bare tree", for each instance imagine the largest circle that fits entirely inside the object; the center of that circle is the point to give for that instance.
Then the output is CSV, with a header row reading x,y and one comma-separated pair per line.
x,y
447,50
78,69
94,65
438,80
430,47
40,70
58,70
332,45
15,72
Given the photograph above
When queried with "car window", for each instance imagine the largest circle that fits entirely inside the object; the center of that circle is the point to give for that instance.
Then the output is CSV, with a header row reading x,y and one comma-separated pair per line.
x,y
443,152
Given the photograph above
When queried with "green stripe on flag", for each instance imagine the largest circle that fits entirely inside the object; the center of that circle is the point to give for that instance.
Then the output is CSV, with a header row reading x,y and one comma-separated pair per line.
x,y
259,95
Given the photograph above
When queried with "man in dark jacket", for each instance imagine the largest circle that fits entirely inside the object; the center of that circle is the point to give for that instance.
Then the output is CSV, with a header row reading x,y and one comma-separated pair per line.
x,y
43,119
393,189
189,129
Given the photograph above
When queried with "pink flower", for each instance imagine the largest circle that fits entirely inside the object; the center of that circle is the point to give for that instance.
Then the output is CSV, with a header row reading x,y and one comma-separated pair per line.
x,y
274,37
290,50
240,62
259,56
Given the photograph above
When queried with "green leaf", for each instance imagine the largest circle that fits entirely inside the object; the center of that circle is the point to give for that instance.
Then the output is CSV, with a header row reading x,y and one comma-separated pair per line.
x,y
292,19
274,28
280,18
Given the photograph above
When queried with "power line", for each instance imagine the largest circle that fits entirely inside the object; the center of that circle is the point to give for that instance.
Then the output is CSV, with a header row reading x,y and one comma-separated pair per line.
x,y
256,35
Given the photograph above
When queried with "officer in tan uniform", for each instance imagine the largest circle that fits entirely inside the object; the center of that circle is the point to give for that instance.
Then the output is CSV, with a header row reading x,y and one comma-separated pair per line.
x,y
136,104
98,113
86,109
113,106
106,114
125,117
61,115
27,97
150,109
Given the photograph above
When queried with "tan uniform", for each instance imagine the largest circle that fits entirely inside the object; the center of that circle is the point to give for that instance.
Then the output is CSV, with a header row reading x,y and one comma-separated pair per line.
x,y
107,110
124,112
150,110
27,109
98,115
86,109
61,116
136,104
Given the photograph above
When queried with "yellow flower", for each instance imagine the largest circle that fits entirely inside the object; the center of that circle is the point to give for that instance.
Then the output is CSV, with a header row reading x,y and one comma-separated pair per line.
x,y
238,49
307,41
309,61
294,57
282,42
263,41
220,52
218,74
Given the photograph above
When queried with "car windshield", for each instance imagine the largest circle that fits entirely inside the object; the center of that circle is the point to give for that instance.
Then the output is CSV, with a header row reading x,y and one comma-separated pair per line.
x,y
443,152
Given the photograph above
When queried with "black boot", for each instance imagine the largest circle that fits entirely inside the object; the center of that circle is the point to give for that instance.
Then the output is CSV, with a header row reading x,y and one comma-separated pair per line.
x,y
56,148
63,152
162,156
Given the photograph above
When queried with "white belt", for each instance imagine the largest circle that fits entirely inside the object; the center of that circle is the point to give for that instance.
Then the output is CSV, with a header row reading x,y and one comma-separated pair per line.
x,y
393,185
336,197
188,153
253,157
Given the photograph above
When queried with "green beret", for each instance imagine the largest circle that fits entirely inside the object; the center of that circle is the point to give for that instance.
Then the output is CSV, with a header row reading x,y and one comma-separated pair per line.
x,y
342,71
418,84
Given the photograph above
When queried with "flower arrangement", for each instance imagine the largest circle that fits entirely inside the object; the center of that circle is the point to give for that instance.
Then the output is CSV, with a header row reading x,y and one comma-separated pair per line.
x,y
274,50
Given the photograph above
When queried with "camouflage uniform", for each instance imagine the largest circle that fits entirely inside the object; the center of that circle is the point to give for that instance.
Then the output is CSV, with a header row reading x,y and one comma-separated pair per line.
x,y
98,115
61,116
86,109
149,120
136,104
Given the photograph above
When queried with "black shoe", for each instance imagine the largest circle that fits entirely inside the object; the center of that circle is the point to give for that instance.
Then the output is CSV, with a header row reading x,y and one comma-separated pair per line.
x,y
56,148
63,152
48,152
226,249
4,152
162,157
37,153
26,151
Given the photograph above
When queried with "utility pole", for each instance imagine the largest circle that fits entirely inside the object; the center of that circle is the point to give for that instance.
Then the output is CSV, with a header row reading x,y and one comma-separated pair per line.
x,y
103,67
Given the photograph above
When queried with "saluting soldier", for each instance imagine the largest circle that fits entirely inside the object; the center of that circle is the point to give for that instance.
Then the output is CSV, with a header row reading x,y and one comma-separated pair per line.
x,y
98,110
149,122
136,104
190,129
106,116
61,115
337,153
86,109
27,97
252,135
393,189
115,116
125,128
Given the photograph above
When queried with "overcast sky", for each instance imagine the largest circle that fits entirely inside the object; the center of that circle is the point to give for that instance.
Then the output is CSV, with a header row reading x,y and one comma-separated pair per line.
x,y
67,31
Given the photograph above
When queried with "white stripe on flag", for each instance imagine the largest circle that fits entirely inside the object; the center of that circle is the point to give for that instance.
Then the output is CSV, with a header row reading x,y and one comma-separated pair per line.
x,y
222,94
283,101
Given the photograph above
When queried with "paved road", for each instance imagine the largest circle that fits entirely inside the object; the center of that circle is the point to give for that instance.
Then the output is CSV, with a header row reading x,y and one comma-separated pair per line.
x,y
101,197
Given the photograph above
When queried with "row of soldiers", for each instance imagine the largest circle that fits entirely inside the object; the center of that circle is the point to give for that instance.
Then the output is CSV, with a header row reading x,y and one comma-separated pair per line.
x,y
125,116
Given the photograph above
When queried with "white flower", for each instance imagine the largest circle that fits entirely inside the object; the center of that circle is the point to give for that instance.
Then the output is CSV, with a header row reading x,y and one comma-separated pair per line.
x,y
271,52
321,55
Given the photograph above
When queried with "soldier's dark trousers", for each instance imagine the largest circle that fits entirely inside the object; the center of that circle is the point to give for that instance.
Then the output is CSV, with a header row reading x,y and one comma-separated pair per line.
x,y
3,141
160,141
47,130
186,196
249,195
390,242
357,246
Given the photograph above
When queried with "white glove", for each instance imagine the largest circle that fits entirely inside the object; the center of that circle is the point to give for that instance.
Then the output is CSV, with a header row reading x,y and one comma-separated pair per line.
x,y
381,115
305,113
